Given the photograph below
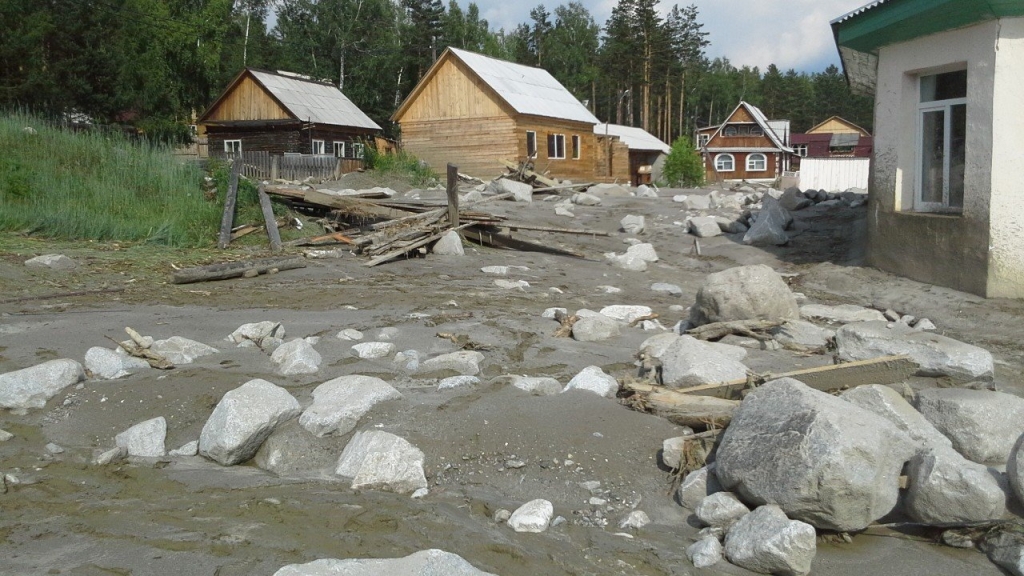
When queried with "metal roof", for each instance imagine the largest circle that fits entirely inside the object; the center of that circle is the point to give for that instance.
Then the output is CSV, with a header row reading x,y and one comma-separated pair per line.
x,y
526,89
634,138
858,11
314,101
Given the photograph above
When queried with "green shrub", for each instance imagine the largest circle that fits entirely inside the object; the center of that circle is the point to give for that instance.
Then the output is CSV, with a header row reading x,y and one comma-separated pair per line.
x,y
401,164
684,165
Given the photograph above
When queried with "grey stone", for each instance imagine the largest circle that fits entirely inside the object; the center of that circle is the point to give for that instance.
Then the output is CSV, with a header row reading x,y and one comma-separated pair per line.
x,y
549,313
636,520
704,227
800,333
180,350
105,364
626,313
423,563
644,251
534,516
511,284
608,191
1007,552
947,489
743,293
645,191
792,199
449,245
632,224
110,456
705,552
145,439
387,333
453,382
373,350
296,357
5,436
562,210
672,448
292,451
243,419
54,448
502,515
377,460
935,355
52,261
720,510
679,198
820,458
595,328
924,324
842,314
585,199
31,387
350,335
537,385
698,485
1015,469
472,196
465,362
767,542
689,362
982,424
889,404
338,404
520,191
187,449
770,227
730,225
696,202
593,379
247,334
670,289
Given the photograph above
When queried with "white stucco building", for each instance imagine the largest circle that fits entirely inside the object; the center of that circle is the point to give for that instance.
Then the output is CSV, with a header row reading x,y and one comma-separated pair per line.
x,y
947,185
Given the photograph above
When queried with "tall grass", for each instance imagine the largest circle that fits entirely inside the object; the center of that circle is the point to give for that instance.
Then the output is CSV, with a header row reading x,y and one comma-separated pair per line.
x,y
92,186
401,164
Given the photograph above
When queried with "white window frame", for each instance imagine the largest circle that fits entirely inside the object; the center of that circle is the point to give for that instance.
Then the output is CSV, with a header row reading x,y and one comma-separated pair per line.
x,y
559,145
576,154
531,137
800,150
232,146
339,149
318,147
704,139
946,107
764,162
726,131
358,149
732,162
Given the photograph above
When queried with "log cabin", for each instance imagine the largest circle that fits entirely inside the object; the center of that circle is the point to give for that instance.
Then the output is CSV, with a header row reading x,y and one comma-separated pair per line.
x,y
284,113
474,111
747,146
646,151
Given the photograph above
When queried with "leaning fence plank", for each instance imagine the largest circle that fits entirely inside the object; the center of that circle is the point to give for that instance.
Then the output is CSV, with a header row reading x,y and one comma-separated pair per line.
x,y
268,216
453,195
229,205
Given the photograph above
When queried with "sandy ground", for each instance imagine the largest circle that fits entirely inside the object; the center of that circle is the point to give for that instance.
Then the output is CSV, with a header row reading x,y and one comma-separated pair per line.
x,y
190,516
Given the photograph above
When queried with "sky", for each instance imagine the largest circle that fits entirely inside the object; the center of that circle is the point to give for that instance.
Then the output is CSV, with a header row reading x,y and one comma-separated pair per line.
x,y
789,33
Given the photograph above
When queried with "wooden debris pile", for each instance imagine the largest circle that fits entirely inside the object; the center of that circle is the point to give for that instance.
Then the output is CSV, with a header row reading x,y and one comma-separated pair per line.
x,y
524,172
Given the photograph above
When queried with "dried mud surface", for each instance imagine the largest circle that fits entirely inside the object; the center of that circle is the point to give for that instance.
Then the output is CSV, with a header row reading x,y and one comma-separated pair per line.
x,y
190,516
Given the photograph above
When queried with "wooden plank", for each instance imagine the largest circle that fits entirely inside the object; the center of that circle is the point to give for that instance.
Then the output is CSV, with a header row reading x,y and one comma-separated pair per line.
x,y
548,182
453,195
268,216
228,218
698,412
406,249
884,370
227,270
557,230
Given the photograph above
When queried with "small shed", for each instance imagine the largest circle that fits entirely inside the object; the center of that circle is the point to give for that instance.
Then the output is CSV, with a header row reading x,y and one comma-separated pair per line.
x,y
746,147
945,193
646,151
285,113
474,111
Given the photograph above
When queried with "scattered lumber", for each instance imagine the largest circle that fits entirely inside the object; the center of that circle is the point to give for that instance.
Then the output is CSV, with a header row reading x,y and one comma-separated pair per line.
x,y
139,348
332,238
525,174
697,412
555,229
758,329
566,323
226,270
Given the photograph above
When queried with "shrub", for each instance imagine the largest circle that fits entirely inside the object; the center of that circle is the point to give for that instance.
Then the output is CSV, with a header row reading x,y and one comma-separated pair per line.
x,y
401,164
684,165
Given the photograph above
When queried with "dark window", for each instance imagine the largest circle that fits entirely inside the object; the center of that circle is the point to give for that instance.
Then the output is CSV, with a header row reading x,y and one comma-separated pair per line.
x,y
531,144
556,146
575,147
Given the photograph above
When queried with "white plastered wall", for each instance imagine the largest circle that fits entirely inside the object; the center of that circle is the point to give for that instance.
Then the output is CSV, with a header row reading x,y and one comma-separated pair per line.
x,y
1006,243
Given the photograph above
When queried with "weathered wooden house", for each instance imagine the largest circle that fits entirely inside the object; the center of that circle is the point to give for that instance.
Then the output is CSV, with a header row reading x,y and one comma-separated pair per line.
x,y
646,152
474,111
833,138
284,113
747,146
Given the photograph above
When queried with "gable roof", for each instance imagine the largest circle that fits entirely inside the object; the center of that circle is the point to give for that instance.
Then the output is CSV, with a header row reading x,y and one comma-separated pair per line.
x,y
633,138
525,89
761,121
841,120
304,99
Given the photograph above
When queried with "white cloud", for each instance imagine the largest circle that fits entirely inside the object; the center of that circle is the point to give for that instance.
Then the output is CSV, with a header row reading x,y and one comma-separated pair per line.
x,y
788,33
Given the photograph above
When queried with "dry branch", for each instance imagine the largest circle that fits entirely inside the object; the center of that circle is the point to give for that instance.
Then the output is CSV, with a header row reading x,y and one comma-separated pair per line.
x,y
757,329
226,270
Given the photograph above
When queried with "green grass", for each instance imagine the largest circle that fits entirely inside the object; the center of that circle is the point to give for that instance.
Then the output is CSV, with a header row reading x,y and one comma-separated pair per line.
x,y
90,186
400,164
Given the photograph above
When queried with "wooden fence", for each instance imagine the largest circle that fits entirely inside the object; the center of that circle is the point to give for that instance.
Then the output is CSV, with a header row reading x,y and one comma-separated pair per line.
x,y
834,174
266,166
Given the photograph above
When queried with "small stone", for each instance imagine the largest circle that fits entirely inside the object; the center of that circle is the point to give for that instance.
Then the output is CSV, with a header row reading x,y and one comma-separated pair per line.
x,y
145,439
387,333
704,227
512,284
52,261
465,362
256,332
502,515
924,324
672,450
636,520
627,314
189,449
110,456
5,435
891,315
54,448
632,224
698,485
420,493
670,289
453,382
722,509
296,357
534,516
550,312
595,328
705,552
593,379
373,350
180,350
106,364
767,542
537,385
449,245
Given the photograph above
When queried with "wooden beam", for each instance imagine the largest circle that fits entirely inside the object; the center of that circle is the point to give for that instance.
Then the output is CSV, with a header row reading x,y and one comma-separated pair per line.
x,y
557,230
698,412
406,249
228,218
227,270
268,215
528,174
453,195
502,241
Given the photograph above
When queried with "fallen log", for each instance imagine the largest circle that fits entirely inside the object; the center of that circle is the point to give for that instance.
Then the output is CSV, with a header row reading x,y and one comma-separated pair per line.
x,y
757,329
697,412
226,270
557,230
332,238
137,349
884,370
501,241
228,217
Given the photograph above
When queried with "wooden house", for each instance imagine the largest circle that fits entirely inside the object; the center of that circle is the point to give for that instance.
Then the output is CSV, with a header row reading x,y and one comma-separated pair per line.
x,y
833,138
474,111
285,113
646,152
747,146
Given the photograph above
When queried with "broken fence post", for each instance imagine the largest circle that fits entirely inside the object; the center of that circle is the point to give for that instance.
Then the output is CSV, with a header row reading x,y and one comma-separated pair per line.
x,y
229,204
453,195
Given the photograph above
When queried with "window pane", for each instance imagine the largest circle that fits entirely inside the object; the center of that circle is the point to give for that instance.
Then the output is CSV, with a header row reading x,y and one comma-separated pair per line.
x,y
531,144
932,149
957,154
551,146
944,86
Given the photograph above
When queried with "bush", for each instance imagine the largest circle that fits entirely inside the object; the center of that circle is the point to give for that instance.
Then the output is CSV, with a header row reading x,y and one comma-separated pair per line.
x,y
684,165
400,164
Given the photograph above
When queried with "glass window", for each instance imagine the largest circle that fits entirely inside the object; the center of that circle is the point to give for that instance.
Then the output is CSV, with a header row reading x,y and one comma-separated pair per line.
x,y
233,146
575,147
357,150
946,86
339,149
556,146
318,146
531,144
941,141
725,163
800,150
757,162
730,131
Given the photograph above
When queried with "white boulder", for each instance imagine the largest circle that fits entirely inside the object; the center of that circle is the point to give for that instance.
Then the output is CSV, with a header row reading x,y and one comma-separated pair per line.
x,y
338,404
377,460
935,355
31,387
534,516
243,419
423,563
105,364
373,350
983,425
767,542
296,357
145,439
593,379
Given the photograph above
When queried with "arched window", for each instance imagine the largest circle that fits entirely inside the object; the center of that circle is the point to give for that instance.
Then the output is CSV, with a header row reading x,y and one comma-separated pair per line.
x,y
757,162
725,163
730,131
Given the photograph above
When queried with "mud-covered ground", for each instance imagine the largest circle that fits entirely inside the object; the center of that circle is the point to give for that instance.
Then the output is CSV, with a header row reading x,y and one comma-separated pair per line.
x,y
190,516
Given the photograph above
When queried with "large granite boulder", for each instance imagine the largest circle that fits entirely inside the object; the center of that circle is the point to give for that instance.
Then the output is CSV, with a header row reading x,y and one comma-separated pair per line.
x,y
423,563
983,425
689,362
145,439
31,387
819,458
378,460
243,419
338,404
945,488
744,293
767,542
935,355
889,404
